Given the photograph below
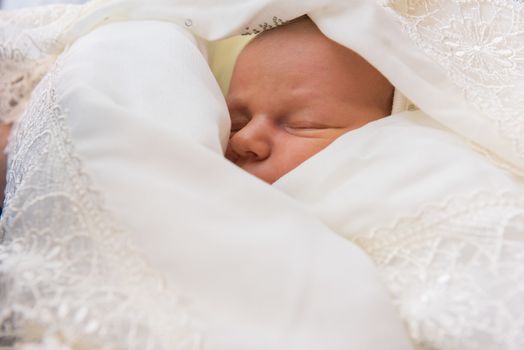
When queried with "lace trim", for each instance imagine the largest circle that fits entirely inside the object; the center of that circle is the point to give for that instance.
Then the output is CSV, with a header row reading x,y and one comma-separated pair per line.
x,y
262,27
29,43
480,44
456,271
496,160
70,278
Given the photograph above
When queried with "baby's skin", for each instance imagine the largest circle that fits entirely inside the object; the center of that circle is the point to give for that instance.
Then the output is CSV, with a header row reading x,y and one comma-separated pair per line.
x,y
293,92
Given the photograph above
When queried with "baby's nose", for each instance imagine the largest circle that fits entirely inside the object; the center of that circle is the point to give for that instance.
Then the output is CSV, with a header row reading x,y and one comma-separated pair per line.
x,y
252,142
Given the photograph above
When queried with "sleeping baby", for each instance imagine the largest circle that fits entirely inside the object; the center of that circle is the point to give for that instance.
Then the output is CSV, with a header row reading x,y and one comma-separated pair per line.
x,y
443,224
293,92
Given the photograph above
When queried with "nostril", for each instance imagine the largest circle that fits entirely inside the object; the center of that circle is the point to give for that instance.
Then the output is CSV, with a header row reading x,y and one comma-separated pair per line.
x,y
251,155
231,155
249,144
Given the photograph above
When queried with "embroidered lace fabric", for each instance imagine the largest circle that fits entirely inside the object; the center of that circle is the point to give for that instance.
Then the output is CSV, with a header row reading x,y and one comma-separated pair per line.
x,y
70,279
457,269
29,44
480,46
456,272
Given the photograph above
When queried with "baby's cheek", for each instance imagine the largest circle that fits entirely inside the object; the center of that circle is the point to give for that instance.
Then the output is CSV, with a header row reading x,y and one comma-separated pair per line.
x,y
296,152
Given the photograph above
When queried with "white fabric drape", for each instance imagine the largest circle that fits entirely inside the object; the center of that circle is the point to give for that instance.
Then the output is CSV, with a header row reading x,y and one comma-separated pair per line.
x,y
15,4
124,226
443,224
460,62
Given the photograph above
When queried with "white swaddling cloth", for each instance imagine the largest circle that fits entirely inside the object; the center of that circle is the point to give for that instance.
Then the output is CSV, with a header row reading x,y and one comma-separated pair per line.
x,y
434,56
125,227
442,223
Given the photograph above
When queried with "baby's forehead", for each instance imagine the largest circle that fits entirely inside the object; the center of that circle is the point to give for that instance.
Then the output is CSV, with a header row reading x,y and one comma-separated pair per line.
x,y
284,53
299,49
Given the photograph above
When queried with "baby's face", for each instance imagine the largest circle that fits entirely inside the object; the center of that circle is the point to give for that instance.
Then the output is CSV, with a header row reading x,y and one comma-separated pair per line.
x,y
292,93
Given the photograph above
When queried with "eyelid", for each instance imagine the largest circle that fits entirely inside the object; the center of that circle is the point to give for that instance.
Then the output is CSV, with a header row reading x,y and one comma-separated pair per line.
x,y
304,125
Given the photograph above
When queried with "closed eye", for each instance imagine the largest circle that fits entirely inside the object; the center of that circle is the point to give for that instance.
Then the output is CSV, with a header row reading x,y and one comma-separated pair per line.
x,y
304,120
302,127
305,126
306,130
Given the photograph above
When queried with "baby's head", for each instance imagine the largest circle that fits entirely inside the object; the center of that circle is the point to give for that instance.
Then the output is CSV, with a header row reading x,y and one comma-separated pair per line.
x,y
293,92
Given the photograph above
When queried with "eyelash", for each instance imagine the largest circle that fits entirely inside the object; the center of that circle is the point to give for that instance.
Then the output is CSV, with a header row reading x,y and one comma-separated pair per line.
x,y
303,125
238,123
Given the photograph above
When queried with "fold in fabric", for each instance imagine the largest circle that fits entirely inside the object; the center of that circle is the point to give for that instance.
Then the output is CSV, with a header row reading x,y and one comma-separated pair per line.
x,y
131,202
442,224
436,56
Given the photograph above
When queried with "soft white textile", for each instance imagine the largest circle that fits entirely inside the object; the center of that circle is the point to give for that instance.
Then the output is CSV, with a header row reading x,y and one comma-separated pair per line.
x,y
14,4
466,76
461,62
443,224
120,156
436,55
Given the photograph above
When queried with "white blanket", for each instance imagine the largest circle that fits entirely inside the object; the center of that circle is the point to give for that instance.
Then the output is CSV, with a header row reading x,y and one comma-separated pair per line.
x,y
442,223
102,260
125,227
